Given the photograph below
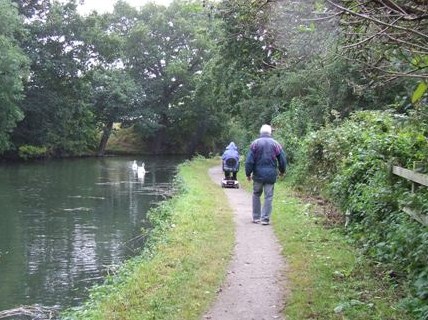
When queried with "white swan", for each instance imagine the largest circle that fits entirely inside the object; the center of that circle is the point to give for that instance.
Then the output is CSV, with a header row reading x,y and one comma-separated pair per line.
x,y
135,165
141,170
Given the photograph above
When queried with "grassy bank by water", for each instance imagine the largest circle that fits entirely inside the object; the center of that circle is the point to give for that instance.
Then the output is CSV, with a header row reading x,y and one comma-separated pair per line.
x,y
178,274
328,278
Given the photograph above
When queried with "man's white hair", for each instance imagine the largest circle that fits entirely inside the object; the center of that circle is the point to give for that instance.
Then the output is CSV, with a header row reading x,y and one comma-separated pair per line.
x,y
266,129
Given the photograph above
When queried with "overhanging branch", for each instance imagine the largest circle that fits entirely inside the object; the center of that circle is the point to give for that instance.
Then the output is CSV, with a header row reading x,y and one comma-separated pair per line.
x,y
367,17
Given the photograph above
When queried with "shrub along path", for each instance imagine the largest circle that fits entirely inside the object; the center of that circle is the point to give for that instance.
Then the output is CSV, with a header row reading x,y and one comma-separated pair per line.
x,y
254,287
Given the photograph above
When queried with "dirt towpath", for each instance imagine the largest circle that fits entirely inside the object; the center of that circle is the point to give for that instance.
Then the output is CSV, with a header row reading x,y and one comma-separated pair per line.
x,y
254,286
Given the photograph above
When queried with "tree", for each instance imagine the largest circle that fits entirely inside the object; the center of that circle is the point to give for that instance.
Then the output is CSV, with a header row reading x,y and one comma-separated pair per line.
x,y
297,36
57,114
245,56
13,71
164,50
114,95
388,37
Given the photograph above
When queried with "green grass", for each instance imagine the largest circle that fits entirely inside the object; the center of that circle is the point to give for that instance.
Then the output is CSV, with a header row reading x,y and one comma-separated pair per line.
x,y
179,276
328,278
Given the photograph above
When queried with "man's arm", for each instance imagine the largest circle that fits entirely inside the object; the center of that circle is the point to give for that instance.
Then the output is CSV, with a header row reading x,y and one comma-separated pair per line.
x,y
282,161
249,165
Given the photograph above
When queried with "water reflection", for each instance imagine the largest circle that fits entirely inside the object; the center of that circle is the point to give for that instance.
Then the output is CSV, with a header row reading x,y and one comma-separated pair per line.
x,y
62,223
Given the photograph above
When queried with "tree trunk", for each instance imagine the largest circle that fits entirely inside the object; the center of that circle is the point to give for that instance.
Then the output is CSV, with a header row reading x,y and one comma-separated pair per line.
x,y
196,138
161,136
104,139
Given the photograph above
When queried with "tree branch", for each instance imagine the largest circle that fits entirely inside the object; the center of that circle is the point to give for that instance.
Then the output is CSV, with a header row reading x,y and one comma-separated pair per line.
x,y
365,40
366,17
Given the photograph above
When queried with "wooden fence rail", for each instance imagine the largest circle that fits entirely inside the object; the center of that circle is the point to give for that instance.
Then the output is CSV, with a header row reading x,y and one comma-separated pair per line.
x,y
416,178
411,175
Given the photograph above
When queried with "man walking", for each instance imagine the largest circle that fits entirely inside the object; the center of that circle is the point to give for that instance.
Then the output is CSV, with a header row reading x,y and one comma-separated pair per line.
x,y
264,159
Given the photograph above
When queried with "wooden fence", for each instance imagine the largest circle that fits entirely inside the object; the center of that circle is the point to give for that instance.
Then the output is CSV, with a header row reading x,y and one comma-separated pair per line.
x,y
417,179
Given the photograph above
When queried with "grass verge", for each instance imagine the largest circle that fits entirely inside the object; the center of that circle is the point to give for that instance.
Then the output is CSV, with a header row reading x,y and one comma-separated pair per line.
x,y
185,261
327,277
177,275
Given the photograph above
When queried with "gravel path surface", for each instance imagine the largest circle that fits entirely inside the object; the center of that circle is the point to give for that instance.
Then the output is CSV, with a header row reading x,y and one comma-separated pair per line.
x,y
254,288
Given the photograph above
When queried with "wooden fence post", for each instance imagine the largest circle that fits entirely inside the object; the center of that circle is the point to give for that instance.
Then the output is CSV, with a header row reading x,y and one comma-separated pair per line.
x,y
417,179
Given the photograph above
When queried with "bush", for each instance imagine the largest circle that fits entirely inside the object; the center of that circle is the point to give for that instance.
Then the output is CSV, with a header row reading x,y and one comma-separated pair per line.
x,y
291,126
352,164
32,152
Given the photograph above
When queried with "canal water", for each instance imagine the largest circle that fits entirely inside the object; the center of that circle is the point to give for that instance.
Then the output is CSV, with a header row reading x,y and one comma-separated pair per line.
x,y
64,223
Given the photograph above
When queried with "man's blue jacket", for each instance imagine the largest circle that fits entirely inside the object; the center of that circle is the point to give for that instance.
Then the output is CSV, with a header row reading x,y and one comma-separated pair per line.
x,y
264,159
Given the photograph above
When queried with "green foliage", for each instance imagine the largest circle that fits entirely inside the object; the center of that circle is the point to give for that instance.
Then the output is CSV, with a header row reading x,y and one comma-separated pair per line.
x,y
291,126
321,94
13,70
114,97
327,277
238,134
236,83
353,161
32,152
56,109
419,92
384,53
164,51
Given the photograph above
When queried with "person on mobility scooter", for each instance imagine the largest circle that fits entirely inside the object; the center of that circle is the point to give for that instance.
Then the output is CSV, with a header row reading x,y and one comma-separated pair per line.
x,y
230,165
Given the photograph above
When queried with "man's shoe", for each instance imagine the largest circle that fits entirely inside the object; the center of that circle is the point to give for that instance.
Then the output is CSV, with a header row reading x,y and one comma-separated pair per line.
x,y
265,222
256,220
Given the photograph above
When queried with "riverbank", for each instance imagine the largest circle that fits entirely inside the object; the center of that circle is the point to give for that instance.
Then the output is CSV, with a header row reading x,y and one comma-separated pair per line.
x,y
178,275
